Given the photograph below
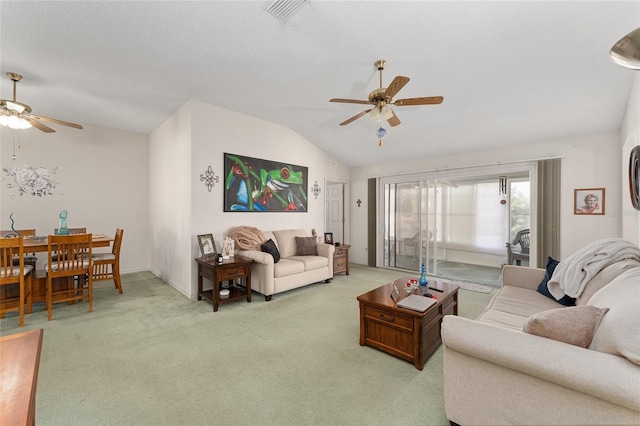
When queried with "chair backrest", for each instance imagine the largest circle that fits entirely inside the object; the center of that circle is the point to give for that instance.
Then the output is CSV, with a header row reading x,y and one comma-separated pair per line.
x,y
523,238
69,254
10,248
72,231
117,242
18,233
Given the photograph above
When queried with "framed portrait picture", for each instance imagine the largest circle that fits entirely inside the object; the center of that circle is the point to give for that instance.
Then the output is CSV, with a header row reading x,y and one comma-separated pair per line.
x,y
328,237
207,245
588,201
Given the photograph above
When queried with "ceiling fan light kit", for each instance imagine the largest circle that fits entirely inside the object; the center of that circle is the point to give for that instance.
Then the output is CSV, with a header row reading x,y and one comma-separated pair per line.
x,y
16,115
626,51
381,98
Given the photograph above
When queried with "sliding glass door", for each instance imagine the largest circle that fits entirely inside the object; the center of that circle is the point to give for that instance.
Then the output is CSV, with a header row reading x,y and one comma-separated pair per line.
x,y
409,223
461,220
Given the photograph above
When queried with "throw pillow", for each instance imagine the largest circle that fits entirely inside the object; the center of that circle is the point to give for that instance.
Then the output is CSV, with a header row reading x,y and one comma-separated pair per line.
x,y
575,325
270,247
618,331
306,246
542,287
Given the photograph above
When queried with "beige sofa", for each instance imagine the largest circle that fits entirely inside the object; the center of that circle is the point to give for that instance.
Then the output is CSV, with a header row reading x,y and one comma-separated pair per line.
x,y
494,373
269,278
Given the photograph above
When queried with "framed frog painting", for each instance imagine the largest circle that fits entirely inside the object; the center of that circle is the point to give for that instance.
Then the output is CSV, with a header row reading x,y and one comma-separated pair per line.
x,y
258,185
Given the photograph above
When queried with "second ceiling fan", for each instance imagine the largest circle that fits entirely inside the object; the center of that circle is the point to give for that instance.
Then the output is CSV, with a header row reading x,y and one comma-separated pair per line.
x,y
383,97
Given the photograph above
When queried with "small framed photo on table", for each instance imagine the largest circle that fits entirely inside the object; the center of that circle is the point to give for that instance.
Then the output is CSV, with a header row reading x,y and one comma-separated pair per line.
x,y
588,201
328,237
207,245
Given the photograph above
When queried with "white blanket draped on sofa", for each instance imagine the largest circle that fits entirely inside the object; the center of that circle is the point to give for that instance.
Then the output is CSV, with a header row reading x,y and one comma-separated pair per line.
x,y
573,273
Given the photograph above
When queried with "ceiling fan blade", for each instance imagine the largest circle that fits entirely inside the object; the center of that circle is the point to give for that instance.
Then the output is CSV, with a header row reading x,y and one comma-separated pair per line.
x,y
350,101
37,124
355,117
56,121
432,100
398,83
393,120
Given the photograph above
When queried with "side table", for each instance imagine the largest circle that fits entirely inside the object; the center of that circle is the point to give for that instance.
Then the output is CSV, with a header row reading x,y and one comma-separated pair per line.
x,y
229,269
341,259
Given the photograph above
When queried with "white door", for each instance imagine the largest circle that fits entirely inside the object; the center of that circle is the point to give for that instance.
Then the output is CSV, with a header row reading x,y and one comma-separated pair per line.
x,y
335,211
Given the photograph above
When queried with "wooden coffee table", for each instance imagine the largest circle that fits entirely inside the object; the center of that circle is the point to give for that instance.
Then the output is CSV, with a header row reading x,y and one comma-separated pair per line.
x,y
406,334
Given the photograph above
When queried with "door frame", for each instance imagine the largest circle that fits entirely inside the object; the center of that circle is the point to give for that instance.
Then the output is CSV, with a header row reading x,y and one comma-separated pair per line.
x,y
346,208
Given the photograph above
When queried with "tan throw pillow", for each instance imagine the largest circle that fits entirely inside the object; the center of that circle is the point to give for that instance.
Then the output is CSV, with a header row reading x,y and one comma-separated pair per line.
x,y
306,246
574,325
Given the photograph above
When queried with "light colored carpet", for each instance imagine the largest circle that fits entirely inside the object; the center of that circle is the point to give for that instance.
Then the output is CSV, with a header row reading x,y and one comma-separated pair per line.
x,y
475,287
152,357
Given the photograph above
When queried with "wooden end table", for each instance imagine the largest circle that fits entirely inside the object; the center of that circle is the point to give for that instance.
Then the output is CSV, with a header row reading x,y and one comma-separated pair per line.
x,y
229,269
403,333
341,259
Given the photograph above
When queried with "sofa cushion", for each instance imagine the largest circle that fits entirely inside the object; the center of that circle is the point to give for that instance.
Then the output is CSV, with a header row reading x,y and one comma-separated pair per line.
x,y
287,267
603,278
311,263
270,247
618,331
542,287
512,306
285,239
306,246
575,325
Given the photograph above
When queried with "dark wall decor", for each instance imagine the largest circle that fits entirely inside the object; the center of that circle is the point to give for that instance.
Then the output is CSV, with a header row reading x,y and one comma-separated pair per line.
x,y
209,178
253,184
634,177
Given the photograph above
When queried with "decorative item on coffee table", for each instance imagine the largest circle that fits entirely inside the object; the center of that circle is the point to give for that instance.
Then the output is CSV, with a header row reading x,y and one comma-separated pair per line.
x,y
423,281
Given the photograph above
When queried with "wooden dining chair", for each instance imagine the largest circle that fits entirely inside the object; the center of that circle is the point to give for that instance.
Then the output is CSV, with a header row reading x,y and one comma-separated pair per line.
x,y
66,261
29,258
106,266
10,274
72,231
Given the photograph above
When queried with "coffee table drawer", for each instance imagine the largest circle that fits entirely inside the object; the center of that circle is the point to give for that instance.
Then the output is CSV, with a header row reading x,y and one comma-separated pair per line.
x,y
389,318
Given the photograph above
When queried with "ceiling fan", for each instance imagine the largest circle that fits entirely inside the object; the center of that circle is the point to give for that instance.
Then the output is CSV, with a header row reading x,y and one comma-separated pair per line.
x,y
17,115
383,97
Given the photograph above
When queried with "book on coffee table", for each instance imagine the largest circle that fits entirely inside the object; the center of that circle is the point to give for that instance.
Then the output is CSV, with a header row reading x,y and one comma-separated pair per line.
x,y
416,303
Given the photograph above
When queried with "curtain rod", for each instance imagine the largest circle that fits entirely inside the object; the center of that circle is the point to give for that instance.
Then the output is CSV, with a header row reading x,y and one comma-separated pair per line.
x,y
446,169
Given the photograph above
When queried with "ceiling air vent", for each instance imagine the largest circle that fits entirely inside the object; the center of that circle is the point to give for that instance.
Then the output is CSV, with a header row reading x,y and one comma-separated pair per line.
x,y
284,9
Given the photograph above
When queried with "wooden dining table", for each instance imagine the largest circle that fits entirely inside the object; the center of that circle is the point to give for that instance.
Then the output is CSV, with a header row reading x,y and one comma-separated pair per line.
x,y
40,244
39,276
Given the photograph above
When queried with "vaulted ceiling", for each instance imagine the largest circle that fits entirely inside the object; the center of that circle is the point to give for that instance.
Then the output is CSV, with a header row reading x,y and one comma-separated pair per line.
x,y
510,72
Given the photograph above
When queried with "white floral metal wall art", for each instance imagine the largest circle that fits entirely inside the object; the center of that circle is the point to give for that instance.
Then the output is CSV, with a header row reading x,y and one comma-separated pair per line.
x,y
30,180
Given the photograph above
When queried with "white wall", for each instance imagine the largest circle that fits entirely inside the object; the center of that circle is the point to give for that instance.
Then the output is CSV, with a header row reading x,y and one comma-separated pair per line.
x,y
202,133
170,200
103,183
589,161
